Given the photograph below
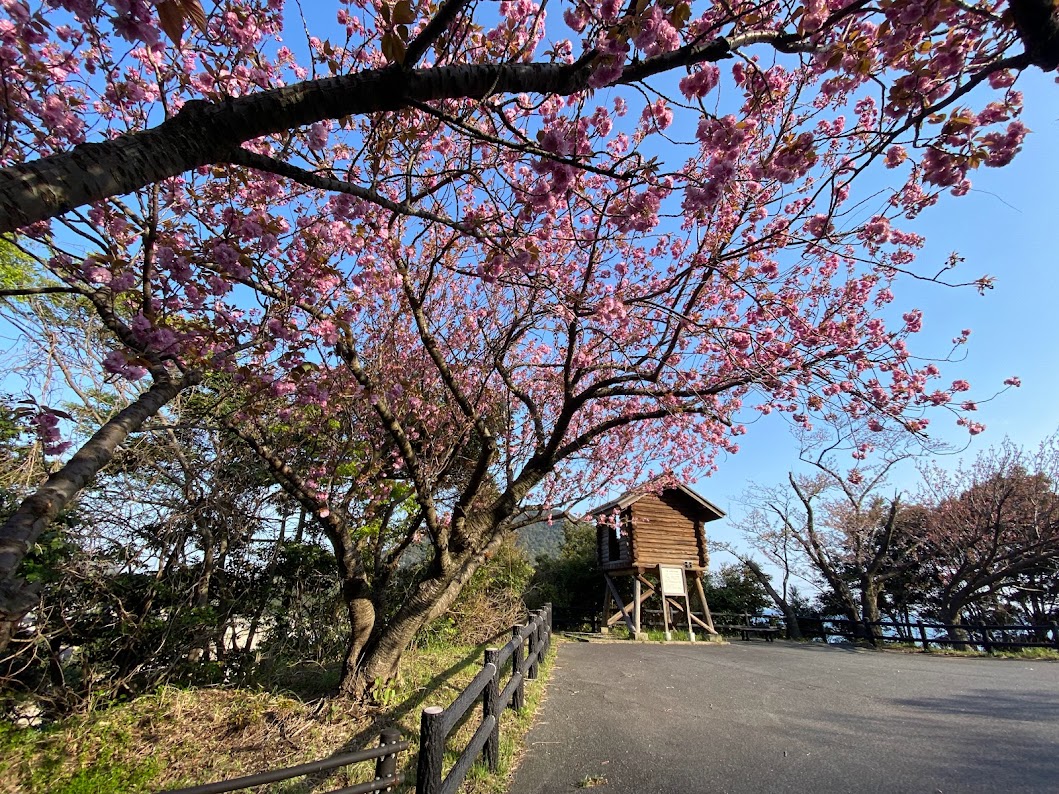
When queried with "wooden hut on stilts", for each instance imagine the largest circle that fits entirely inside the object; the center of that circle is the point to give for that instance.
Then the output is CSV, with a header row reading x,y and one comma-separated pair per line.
x,y
657,536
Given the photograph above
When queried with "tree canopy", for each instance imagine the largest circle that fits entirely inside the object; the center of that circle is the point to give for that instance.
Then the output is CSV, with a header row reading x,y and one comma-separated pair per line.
x,y
504,253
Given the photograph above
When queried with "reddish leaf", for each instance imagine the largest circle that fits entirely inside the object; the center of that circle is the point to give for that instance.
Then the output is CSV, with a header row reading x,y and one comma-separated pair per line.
x,y
393,48
171,20
193,11
403,13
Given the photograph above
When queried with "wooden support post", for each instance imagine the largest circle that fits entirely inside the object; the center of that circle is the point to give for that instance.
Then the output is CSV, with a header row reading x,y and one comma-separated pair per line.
x,y
923,635
490,707
518,699
699,622
617,600
705,607
687,609
604,627
386,765
1055,636
665,618
636,607
431,751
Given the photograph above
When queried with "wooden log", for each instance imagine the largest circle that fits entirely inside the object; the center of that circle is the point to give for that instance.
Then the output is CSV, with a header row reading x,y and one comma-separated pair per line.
x,y
637,601
617,600
386,766
701,623
631,606
491,708
665,613
518,699
605,628
532,642
431,751
705,607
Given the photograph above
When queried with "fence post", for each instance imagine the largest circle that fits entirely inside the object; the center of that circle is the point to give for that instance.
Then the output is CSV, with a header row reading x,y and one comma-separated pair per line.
x,y
490,699
1055,636
548,627
386,765
518,699
986,645
923,635
431,751
543,629
533,650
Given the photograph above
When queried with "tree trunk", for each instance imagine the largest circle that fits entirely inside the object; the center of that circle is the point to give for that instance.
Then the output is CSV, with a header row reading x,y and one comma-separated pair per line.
x,y
362,616
381,657
382,654
869,609
794,631
950,615
21,530
200,598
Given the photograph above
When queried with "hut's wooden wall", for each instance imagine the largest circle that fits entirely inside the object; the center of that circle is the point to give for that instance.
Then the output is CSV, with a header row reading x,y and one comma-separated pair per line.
x,y
666,530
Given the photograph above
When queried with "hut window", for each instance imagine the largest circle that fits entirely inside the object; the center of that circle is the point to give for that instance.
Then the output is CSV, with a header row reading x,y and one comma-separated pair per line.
x,y
614,546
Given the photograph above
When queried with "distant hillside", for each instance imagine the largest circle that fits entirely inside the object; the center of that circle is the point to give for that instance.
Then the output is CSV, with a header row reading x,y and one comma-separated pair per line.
x,y
541,539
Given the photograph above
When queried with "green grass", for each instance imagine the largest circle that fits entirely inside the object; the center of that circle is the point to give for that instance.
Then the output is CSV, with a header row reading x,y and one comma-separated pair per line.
x,y
591,781
1034,654
621,632
513,729
181,737
33,760
1027,654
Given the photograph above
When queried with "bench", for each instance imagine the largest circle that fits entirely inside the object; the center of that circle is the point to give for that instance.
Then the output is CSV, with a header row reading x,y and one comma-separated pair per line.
x,y
769,633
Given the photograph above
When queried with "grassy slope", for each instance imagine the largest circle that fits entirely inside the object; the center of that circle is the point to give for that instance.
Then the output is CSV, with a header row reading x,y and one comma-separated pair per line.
x,y
181,737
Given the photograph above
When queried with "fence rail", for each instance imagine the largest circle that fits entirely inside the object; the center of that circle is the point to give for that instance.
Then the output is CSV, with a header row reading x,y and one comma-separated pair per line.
x,y
986,636
385,757
525,650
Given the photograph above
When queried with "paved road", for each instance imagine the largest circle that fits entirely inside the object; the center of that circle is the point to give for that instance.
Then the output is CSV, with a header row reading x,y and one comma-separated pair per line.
x,y
785,717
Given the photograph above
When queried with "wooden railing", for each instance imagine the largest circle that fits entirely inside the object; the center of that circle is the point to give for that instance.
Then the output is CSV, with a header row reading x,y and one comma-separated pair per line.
x,y
521,657
988,637
525,650
386,776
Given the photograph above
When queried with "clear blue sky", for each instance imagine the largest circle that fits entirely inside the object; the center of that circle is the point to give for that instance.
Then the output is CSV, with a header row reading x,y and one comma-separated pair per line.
x,y
1006,227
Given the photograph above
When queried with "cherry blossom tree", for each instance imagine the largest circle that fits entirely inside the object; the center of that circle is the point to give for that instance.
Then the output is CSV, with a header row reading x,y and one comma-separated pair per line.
x,y
988,525
534,257
841,528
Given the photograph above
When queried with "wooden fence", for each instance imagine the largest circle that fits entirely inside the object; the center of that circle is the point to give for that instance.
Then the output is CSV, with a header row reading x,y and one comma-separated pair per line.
x,y
386,776
988,637
524,650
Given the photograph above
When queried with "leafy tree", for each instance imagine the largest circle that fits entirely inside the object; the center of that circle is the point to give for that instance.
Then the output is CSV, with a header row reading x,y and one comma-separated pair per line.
x,y
570,581
514,266
838,525
734,589
991,526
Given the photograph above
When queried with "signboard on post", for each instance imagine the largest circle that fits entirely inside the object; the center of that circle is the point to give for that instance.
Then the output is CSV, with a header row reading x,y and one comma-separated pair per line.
x,y
673,581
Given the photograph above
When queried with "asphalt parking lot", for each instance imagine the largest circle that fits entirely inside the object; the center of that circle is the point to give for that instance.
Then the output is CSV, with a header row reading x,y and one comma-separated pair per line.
x,y
786,717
